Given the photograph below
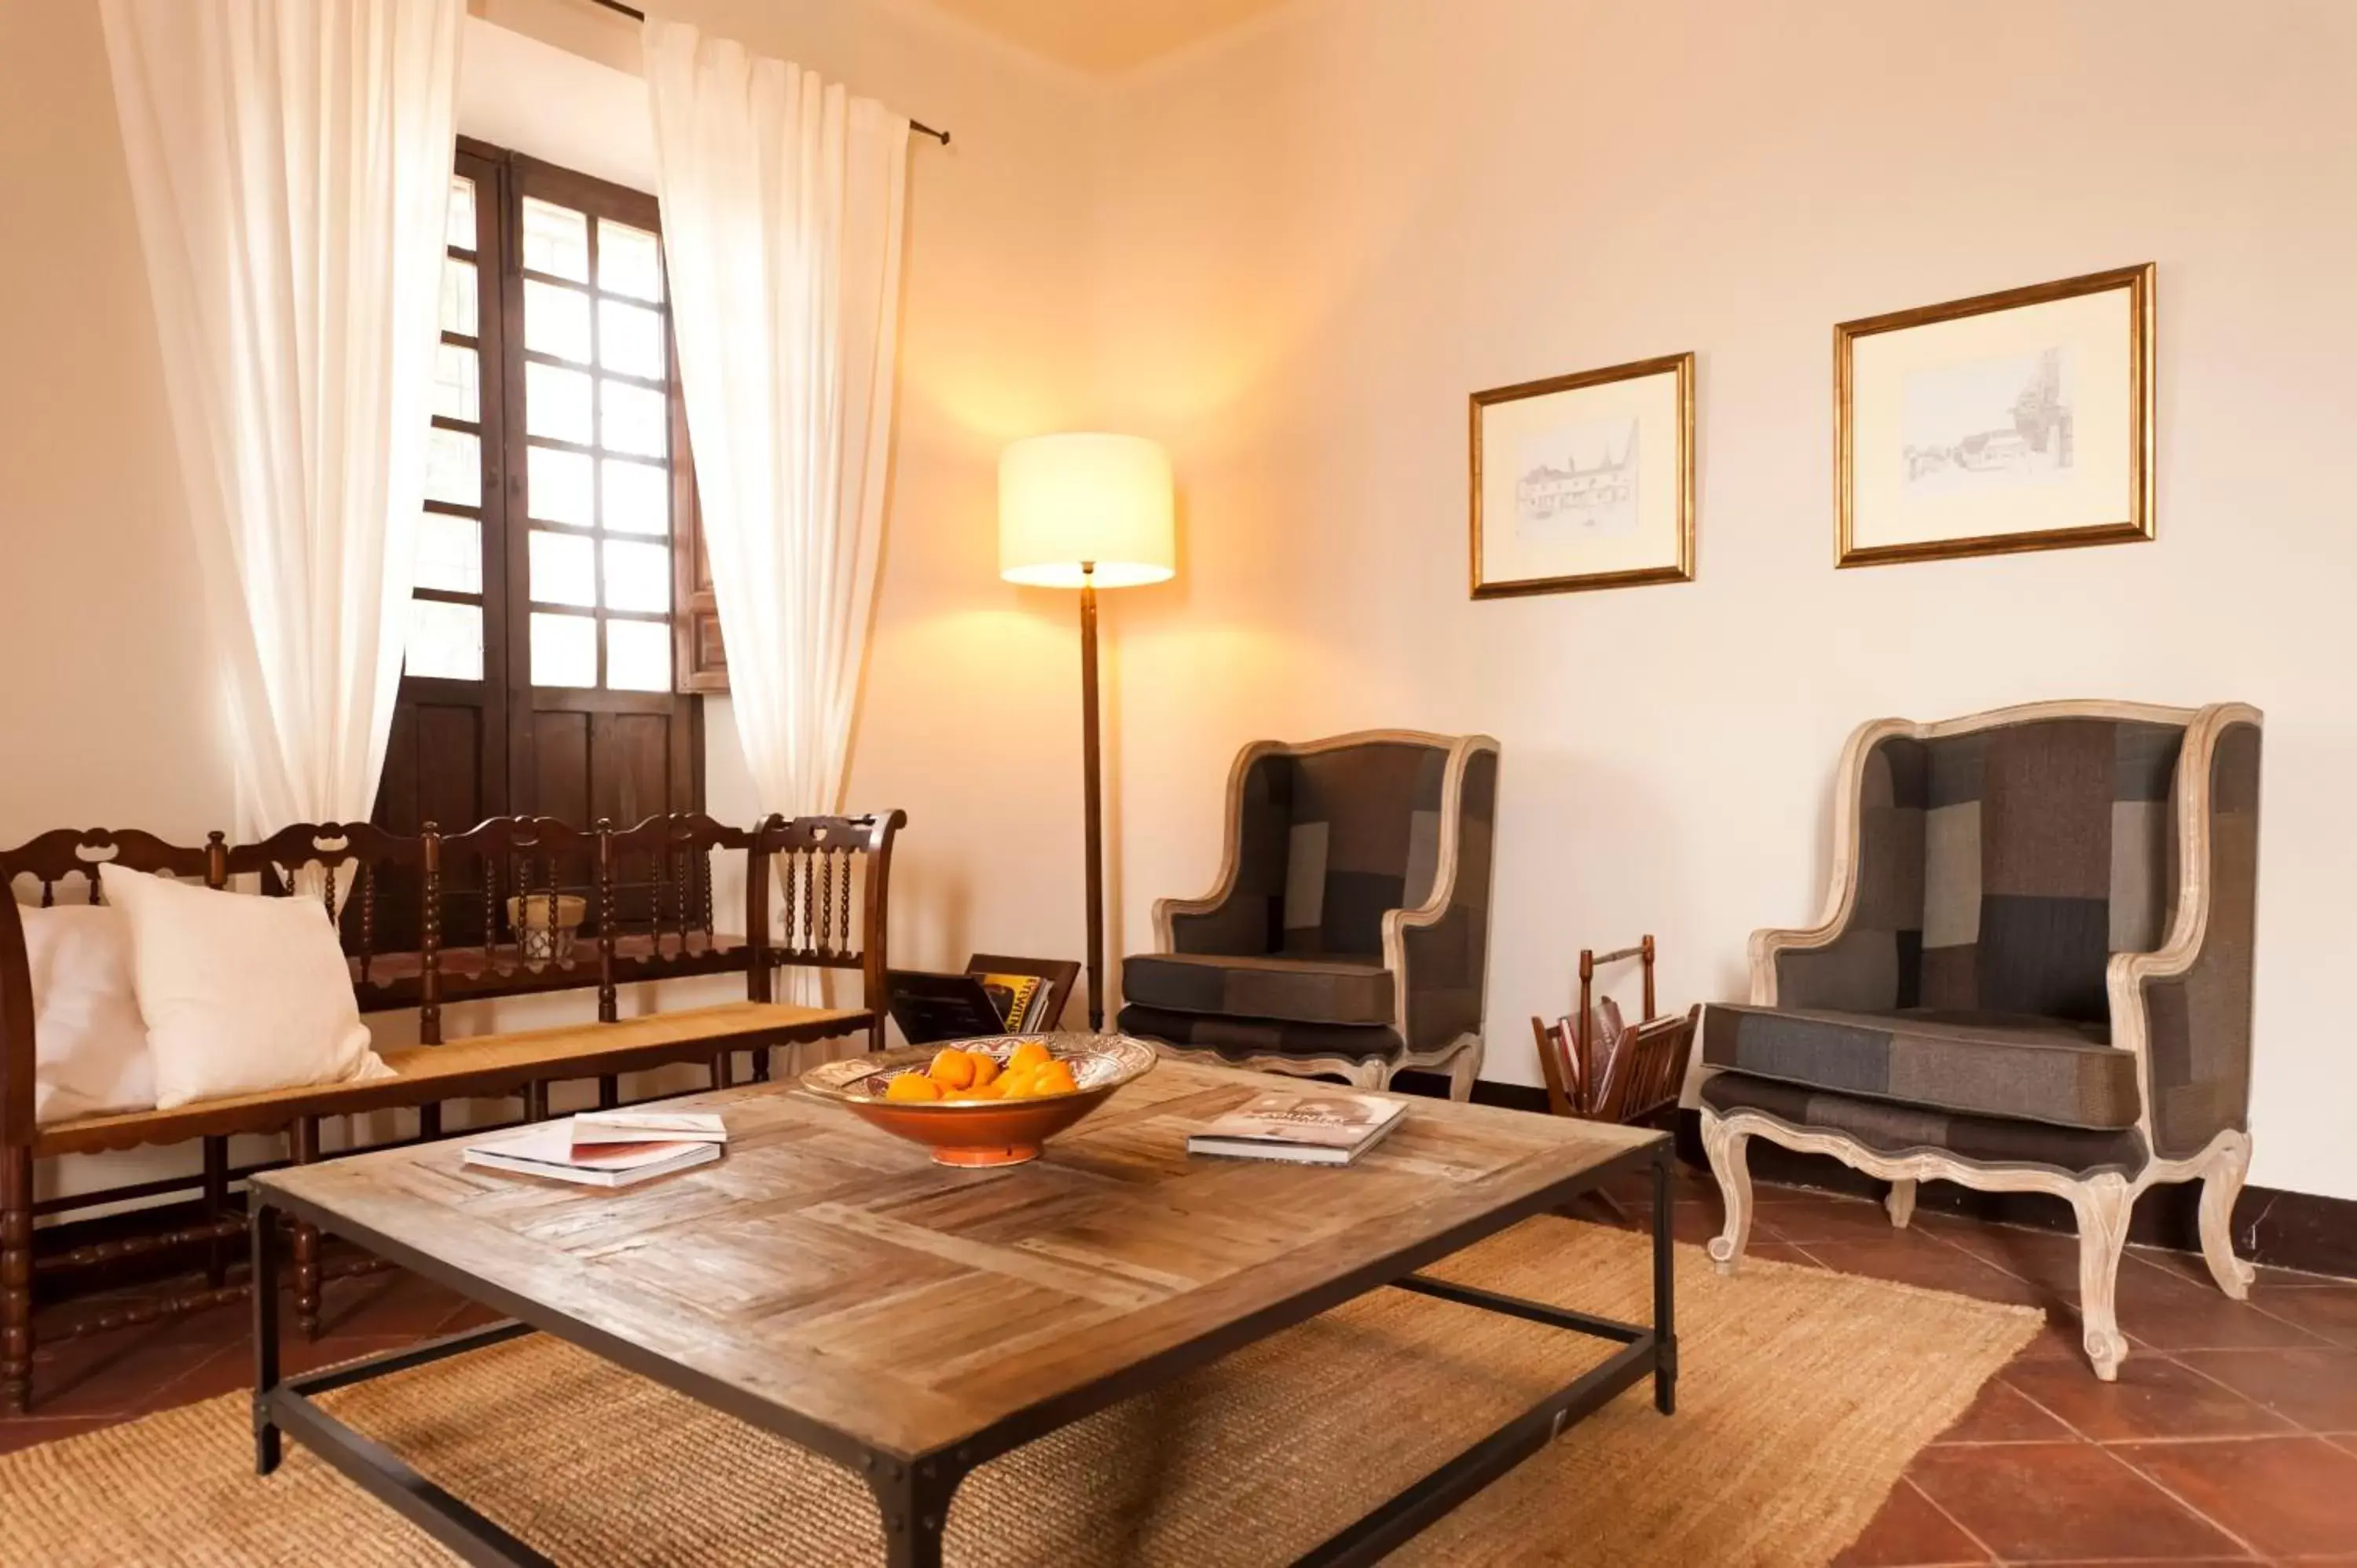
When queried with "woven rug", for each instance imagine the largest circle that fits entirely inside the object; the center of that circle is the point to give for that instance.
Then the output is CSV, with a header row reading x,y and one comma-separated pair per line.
x,y
1803,1396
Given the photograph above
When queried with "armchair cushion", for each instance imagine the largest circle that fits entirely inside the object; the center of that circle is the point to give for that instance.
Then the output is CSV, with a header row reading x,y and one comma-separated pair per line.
x,y
2037,1069
1305,990
1241,1038
1905,1129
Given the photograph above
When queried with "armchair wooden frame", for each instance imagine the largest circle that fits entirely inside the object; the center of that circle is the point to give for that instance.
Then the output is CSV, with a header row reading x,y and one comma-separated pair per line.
x,y
2101,1201
1460,1057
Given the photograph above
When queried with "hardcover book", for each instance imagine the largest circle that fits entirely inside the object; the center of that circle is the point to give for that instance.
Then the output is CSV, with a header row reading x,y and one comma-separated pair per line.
x,y
549,1151
1329,1129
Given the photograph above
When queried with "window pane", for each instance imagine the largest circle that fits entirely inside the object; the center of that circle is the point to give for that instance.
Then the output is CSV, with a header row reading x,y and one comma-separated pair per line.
x,y
556,403
446,642
638,576
462,213
630,260
556,320
556,486
458,383
563,651
458,297
454,468
555,240
637,655
629,338
449,552
637,419
638,497
564,570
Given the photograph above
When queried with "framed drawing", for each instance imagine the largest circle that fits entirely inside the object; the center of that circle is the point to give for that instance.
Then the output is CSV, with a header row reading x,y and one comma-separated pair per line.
x,y
2013,421
1585,481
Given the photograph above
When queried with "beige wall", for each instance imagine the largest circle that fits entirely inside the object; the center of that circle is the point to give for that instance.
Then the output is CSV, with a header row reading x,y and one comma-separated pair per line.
x,y
1322,233
107,706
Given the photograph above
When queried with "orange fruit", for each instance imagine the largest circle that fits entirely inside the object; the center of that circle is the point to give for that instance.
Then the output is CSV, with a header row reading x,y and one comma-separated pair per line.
x,y
913,1086
979,1091
951,1067
1030,1053
985,1068
1055,1077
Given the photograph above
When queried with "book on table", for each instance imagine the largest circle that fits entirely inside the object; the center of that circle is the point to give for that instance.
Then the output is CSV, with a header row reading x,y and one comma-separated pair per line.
x,y
647,1127
549,1151
1327,1129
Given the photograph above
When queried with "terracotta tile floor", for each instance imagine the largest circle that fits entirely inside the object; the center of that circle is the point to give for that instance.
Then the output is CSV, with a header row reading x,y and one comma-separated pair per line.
x,y
2231,1436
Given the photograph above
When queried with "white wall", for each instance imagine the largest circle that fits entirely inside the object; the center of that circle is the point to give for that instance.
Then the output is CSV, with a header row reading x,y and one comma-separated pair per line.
x,y
1322,233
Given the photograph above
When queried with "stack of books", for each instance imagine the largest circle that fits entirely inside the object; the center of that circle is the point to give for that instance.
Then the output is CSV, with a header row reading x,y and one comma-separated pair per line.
x,y
606,1148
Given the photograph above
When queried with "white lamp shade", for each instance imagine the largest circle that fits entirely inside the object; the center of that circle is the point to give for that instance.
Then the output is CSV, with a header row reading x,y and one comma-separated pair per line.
x,y
1075,499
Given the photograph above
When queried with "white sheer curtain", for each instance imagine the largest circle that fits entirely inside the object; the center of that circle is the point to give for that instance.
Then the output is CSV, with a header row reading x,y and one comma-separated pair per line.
x,y
290,163
782,197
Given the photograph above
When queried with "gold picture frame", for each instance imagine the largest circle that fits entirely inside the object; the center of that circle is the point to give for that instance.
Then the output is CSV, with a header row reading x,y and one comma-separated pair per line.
x,y
2117,505
1653,543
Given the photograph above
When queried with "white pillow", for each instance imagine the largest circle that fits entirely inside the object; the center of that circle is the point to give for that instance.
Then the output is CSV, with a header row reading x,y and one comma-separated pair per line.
x,y
90,1045
241,992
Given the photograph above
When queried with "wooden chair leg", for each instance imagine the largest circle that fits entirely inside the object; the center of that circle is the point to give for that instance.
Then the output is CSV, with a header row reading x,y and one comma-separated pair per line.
x,y
304,1150
216,1207
610,1092
1730,1153
535,1102
17,1280
761,1064
720,1071
1901,1201
2222,1182
2103,1203
429,1122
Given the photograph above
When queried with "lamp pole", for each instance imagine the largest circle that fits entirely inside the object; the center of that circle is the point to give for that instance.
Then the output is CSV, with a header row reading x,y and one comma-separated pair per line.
x,y
1091,794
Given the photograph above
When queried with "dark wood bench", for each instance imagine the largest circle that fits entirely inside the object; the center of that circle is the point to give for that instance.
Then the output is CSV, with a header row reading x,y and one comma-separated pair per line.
x,y
442,898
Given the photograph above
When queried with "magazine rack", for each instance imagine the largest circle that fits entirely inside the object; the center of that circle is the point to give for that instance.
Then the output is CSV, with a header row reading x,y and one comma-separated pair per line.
x,y
1632,1075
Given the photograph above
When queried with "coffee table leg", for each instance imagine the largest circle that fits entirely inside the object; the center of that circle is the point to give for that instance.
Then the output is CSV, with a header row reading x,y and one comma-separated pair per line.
x,y
264,1225
915,1502
1666,1337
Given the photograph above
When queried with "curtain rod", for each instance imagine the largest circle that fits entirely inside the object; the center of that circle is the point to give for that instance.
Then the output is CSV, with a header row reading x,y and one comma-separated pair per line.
x,y
636,15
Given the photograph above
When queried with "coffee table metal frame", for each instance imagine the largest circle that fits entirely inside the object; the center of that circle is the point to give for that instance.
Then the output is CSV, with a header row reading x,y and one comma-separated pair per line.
x,y
913,1492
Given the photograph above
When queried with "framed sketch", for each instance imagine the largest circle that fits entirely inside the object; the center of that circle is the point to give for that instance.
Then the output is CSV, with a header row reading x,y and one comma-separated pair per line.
x,y
1585,481
2013,421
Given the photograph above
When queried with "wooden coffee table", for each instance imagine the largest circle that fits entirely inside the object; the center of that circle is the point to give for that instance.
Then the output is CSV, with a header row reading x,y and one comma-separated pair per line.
x,y
781,1283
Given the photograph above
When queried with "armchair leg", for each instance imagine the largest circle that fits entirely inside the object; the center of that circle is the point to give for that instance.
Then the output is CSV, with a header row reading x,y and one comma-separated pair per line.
x,y
1373,1073
1901,1202
2103,1204
2228,1161
1728,1151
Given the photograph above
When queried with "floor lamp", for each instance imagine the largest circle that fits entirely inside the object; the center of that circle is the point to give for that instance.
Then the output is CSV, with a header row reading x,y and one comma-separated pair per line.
x,y
1087,511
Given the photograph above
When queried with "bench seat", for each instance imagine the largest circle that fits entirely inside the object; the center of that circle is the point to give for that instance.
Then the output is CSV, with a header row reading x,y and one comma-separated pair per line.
x,y
458,1069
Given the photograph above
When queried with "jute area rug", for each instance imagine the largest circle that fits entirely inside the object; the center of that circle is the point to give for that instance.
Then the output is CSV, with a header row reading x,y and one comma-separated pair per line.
x,y
1803,1396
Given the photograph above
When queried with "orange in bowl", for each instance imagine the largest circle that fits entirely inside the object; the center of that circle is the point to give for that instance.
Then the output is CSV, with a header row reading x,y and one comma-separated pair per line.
x,y
1013,1097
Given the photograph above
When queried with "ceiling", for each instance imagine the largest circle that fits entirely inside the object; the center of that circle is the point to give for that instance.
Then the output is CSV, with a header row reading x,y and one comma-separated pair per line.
x,y
1104,35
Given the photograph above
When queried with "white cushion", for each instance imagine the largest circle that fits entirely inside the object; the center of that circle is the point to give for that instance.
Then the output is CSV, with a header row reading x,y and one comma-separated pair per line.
x,y
241,992
90,1045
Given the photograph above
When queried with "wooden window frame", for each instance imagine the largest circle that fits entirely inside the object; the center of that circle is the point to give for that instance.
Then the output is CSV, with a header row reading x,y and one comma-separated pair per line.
x,y
509,768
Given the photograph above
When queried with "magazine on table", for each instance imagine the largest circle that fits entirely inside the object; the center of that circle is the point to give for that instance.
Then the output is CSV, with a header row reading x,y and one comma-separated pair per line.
x,y
549,1151
1324,1129
647,1127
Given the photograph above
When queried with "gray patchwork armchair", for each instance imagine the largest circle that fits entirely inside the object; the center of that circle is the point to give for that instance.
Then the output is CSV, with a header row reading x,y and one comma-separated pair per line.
x,y
1348,932
2034,974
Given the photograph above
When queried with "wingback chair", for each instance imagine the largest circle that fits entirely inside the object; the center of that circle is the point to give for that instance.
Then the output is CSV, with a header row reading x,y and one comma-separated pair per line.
x,y
2033,975
1348,932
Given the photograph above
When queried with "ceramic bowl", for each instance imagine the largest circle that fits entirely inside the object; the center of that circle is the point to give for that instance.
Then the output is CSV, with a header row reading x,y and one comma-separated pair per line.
x,y
983,1131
